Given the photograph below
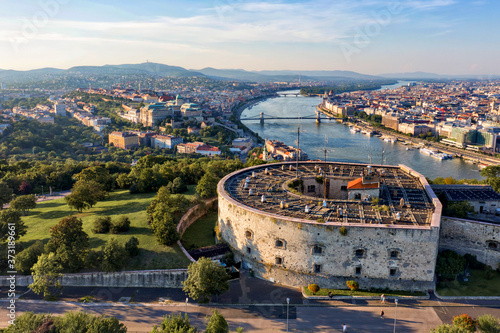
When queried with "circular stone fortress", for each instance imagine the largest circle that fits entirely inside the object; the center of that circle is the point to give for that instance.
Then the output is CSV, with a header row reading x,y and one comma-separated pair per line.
x,y
328,223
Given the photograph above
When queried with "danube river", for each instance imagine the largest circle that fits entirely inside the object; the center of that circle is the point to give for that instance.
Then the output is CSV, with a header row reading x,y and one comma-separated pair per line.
x,y
342,144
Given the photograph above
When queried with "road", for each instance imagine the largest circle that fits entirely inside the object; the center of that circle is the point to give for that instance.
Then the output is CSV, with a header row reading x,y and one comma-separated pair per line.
x,y
315,317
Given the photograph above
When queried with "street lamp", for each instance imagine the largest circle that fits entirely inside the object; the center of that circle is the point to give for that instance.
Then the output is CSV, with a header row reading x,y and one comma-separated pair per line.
x,y
187,305
287,304
395,314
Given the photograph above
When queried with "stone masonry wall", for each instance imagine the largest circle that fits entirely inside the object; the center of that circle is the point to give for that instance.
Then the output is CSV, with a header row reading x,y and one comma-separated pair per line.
x,y
148,279
396,257
477,238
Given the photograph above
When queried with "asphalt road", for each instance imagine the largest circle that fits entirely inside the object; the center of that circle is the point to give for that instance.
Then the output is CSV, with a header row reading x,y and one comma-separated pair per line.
x,y
257,306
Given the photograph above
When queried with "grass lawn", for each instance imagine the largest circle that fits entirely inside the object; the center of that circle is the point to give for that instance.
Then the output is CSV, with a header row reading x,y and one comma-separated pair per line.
x,y
377,293
200,233
478,285
152,255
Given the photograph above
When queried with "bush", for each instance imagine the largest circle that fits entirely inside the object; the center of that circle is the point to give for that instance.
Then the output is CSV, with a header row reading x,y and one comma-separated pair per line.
x,y
465,322
132,246
114,256
353,285
314,288
121,225
488,324
343,231
101,225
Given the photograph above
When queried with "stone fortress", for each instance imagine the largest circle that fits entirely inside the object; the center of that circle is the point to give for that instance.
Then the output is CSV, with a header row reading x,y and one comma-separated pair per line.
x,y
327,223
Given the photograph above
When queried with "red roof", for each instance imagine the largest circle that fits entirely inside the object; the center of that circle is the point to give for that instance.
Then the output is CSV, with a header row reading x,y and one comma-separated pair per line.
x,y
358,184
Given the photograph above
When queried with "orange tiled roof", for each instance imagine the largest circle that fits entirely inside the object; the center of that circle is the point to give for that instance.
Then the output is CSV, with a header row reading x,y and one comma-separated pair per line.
x,y
358,184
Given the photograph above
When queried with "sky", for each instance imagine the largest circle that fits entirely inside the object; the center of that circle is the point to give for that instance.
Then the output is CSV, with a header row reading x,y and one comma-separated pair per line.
x,y
367,36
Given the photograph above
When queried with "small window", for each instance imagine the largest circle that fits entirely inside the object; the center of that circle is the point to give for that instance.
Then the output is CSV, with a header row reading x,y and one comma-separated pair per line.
x,y
357,196
360,253
249,250
317,249
343,188
492,245
228,222
279,261
317,268
279,243
393,271
358,270
394,254
311,188
248,234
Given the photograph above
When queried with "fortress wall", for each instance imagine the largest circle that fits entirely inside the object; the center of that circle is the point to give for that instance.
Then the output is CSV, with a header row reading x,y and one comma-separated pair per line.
x,y
477,238
253,234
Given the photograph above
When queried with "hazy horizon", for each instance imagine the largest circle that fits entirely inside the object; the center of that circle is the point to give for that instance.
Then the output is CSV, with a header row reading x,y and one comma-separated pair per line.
x,y
445,37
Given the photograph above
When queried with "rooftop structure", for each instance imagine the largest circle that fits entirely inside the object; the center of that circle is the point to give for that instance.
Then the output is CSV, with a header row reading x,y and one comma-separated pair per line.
x,y
402,195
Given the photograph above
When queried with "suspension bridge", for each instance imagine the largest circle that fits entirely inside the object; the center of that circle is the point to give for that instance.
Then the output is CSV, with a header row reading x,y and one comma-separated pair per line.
x,y
263,117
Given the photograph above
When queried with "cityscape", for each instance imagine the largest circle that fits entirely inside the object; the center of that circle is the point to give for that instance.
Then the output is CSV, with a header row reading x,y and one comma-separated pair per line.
x,y
249,166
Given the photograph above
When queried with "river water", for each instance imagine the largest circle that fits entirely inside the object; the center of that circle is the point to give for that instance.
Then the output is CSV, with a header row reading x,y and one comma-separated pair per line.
x,y
341,144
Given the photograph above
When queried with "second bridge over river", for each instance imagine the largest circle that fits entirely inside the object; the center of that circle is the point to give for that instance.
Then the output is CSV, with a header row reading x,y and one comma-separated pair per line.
x,y
262,117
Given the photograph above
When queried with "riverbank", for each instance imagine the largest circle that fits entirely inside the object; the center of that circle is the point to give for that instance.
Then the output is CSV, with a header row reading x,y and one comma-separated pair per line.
x,y
467,155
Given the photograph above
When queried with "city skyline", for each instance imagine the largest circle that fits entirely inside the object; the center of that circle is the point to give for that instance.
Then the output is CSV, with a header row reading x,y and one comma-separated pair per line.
x,y
447,37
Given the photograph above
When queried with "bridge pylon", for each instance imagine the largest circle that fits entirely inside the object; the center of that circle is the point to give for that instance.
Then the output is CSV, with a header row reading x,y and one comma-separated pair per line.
x,y
261,118
318,117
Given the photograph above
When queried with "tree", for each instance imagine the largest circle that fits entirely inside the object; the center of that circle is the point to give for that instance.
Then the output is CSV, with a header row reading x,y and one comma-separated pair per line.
x,y
217,324
205,278
114,256
450,263
46,273
25,188
24,203
132,246
488,324
28,257
460,209
175,324
165,229
28,322
70,322
207,186
98,174
70,242
85,194
5,194
11,225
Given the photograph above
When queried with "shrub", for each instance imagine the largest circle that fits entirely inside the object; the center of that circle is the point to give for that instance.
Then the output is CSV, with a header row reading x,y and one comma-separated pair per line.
x,y
121,225
353,285
488,324
101,225
343,231
319,180
314,288
465,322
132,246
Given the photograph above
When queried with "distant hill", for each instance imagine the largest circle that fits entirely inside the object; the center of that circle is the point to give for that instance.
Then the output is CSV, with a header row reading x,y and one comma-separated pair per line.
x,y
144,68
285,75
415,76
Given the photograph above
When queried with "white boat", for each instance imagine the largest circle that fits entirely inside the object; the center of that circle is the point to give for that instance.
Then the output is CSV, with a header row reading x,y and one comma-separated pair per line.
x,y
427,151
365,132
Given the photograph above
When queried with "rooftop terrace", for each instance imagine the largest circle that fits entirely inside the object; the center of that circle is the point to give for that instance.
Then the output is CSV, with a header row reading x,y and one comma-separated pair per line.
x,y
396,183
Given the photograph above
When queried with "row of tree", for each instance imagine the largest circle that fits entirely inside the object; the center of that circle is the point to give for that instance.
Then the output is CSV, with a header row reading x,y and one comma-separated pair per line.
x,y
83,322
466,324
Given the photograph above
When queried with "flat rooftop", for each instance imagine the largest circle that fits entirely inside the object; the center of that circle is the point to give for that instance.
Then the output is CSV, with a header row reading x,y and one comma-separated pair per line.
x,y
467,192
396,183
